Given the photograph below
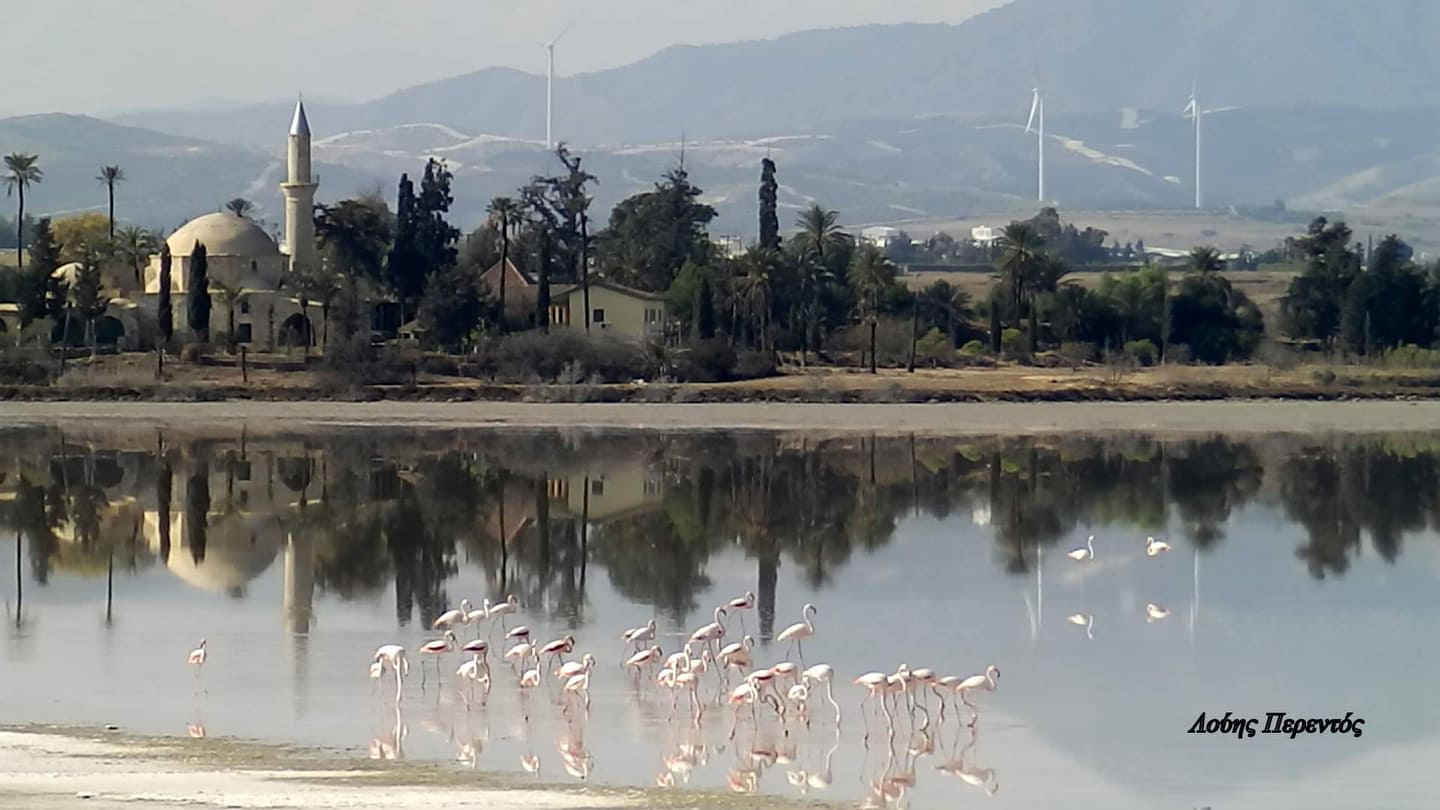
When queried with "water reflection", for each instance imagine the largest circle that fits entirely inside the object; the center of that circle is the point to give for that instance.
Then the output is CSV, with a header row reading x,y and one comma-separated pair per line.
x,y
598,532
350,515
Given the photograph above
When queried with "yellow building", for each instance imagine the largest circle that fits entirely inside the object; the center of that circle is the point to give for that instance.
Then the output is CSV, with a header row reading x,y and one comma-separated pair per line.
x,y
615,310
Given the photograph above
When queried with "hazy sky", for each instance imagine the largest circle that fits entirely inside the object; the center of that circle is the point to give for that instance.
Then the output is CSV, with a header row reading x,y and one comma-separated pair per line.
x,y
103,55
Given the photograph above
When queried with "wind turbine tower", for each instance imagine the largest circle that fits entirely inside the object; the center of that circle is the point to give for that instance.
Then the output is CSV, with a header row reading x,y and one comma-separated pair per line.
x,y
1037,124
1195,113
550,84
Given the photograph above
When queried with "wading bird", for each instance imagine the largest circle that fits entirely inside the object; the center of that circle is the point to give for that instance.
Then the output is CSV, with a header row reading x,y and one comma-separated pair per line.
x,y
1154,613
197,659
1154,547
798,632
450,618
1086,553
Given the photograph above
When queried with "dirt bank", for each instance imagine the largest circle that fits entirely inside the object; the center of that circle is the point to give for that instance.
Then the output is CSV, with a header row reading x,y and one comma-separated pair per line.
x,y
260,418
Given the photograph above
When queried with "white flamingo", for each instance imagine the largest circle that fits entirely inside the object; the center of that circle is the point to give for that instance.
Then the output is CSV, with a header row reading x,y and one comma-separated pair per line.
x,y
1084,620
639,635
1154,547
1086,553
798,632
824,673
450,618
1155,613
986,682
712,632
741,604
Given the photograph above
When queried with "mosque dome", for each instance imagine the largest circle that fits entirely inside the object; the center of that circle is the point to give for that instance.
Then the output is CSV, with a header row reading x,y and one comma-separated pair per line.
x,y
223,234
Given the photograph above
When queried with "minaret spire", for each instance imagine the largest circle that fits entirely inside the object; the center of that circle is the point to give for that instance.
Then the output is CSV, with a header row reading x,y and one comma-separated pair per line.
x,y
299,191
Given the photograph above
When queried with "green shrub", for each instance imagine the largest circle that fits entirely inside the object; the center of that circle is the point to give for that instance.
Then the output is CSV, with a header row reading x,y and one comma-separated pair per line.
x,y
1323,376
26,365
707,361
1142,352
974,348
569,357
934,348
1012,343
1409,356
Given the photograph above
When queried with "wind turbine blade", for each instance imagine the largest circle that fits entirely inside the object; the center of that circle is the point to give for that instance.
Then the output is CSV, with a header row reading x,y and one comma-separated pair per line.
x,y
566,29
1034,110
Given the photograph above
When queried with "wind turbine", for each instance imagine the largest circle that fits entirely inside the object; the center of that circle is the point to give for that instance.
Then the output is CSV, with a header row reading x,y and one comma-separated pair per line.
x,y
1193,112
550,83
1037,116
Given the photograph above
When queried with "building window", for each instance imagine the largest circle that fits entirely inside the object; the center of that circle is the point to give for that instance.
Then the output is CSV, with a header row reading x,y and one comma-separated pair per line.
x,y
652,316
598,316
597,486
244,306
242,333
652,487
242,471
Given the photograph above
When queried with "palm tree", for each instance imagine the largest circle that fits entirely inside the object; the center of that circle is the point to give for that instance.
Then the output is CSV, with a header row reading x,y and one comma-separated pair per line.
x,y
820,238
20,173
240,207
110,177
1020,246
754,294
871,272
134,246
1206,260
505,213
820,232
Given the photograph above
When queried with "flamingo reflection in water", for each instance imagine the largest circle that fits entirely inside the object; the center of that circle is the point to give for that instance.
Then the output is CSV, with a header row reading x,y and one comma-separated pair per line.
x,y
390,744
963,766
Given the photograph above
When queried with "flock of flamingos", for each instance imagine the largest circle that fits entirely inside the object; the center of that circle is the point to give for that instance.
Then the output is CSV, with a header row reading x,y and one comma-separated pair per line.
x,y
782,693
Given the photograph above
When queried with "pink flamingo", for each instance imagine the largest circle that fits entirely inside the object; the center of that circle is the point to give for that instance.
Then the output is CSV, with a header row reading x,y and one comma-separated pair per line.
x,y
986,682
741,604
712,632
570,670
877,685
393,655
501,609
644,658
558,648
197,659
436,648
639,635
824,673
450,618
579,685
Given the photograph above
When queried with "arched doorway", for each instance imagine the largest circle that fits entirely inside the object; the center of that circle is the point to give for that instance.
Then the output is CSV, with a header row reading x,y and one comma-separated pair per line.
x,y
297,331
109,331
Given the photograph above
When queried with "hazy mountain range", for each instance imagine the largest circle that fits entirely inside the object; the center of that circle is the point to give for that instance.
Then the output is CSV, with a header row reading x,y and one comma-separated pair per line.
x,y
1323,103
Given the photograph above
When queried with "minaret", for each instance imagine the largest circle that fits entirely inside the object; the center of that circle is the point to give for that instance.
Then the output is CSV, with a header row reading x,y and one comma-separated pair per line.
x,y
299,190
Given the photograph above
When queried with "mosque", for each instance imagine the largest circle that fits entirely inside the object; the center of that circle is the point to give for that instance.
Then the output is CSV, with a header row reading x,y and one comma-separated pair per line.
x,y
247,271
240,256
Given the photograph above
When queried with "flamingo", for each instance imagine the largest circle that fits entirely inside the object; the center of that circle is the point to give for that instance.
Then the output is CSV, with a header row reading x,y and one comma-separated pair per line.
x,y
799,631
713,631
476,671
736,654
920,679
877,685
644,658
394,656
987,682
1154,547
745,693
558,648
520,632
639,635
1084,620
530,679
197,659
741,604
799,696
570,670
690,682
450,618
1086,553
437,648
679,661
520,653
824,673
477,647
785,669
943,687
377,669
502,609
579,685
1155,613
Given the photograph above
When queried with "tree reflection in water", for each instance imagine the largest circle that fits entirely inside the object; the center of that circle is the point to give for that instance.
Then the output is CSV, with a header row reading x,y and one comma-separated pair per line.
x,y
534,510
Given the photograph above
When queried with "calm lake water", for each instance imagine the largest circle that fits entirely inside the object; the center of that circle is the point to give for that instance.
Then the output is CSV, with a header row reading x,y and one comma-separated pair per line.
x,y
1302,579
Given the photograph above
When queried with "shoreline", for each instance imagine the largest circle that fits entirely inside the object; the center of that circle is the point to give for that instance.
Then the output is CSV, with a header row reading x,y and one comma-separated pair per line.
x,y
60,768
958,419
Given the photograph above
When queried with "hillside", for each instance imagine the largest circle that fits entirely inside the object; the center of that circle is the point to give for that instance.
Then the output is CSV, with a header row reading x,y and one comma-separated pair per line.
x,y
938,169
1090,55
169,179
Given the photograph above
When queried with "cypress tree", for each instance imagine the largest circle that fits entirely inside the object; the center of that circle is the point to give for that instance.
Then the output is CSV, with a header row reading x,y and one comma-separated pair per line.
x,y
197,299
166,314
705,310
37,280
769,217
